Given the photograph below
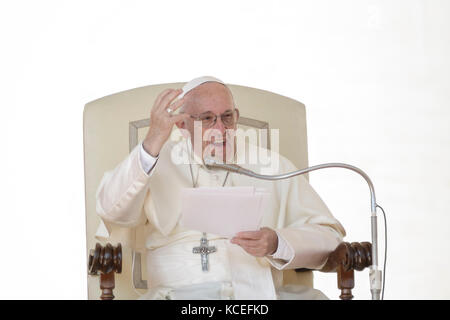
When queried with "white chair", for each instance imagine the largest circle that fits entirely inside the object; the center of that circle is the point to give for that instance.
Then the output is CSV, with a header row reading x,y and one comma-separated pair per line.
x,y
114,124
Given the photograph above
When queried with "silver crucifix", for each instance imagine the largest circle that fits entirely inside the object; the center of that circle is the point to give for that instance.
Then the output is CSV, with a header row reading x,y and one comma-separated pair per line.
x,y
204,250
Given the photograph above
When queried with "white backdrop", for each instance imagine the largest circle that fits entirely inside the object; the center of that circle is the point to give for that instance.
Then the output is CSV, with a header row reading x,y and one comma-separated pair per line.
x,y
374,75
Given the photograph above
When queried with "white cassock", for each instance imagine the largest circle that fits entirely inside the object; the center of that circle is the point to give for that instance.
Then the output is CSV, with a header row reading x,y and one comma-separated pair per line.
x,y
142,211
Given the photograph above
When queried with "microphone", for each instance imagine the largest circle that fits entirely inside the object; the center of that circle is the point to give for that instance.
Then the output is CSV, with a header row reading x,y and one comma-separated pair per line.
x,y
375,274
212,164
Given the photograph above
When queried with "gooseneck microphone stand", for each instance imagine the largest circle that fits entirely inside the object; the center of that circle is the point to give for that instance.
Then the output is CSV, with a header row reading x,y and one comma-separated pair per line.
x,y
374,274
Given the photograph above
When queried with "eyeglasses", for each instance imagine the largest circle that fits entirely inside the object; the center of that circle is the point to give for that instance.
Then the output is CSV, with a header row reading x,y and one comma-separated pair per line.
x,y
209,119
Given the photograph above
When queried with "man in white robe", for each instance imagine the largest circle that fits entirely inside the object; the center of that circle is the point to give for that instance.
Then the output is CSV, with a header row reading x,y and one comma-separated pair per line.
x,y
139,204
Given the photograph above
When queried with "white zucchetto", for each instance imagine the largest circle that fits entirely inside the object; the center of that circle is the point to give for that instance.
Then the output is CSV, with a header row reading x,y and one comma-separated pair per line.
x,y
194,83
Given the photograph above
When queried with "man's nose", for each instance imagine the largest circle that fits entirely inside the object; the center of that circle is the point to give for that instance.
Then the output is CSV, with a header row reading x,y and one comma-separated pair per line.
x,y
219,125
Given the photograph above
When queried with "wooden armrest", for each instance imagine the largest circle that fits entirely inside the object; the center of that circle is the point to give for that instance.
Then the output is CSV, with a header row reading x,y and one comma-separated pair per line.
x,y
346,258
106,260
355,255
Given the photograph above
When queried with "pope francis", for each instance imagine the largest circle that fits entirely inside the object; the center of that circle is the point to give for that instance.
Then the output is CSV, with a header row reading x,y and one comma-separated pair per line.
x,y
143,194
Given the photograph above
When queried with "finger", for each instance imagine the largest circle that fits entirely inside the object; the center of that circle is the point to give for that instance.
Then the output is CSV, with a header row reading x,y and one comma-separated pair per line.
x,y
167,92
169,98
249,249
249,235
246,243
179,117
174,106
160,96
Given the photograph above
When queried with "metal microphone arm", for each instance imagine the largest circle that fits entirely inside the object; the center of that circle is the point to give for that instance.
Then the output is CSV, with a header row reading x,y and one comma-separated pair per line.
x,y
375,274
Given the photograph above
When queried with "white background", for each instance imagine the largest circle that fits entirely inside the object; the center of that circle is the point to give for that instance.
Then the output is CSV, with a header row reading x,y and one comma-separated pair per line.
x,y
374,76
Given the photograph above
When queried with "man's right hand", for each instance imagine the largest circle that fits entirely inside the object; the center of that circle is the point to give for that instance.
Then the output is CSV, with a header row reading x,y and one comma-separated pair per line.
x,y
161,121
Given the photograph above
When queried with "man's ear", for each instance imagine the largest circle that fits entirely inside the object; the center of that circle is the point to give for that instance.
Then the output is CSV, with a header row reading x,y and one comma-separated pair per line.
x,y
237,114
182,127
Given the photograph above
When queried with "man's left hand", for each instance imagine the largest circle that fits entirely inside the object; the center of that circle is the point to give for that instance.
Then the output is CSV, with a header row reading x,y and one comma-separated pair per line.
x,y
257,243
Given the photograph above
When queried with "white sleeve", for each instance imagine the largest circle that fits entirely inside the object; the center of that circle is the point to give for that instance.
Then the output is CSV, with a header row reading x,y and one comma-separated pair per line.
x,y
283,252
122,192
147,161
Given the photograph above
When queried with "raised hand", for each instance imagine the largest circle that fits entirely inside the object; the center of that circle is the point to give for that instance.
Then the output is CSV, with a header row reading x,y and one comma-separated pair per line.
x,y
162,120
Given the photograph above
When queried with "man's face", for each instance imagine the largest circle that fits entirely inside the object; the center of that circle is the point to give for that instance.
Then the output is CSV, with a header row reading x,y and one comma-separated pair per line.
x,y
204,103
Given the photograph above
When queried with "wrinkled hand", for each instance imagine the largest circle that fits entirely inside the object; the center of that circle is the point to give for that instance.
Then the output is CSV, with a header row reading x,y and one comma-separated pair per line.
x,y
161,121
257,243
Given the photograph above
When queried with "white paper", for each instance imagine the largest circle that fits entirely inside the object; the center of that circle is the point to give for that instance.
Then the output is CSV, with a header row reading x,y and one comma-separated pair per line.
x,y
223,211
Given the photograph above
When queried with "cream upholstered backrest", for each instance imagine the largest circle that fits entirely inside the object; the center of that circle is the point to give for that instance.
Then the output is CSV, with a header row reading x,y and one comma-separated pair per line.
x,y
115,123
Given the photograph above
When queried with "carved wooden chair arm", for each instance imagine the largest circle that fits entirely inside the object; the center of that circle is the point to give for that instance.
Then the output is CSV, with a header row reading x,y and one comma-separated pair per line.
x,y
106,260
346,258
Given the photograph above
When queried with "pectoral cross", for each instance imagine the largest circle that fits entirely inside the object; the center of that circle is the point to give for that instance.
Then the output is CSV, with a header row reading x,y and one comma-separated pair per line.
x,y
204,250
